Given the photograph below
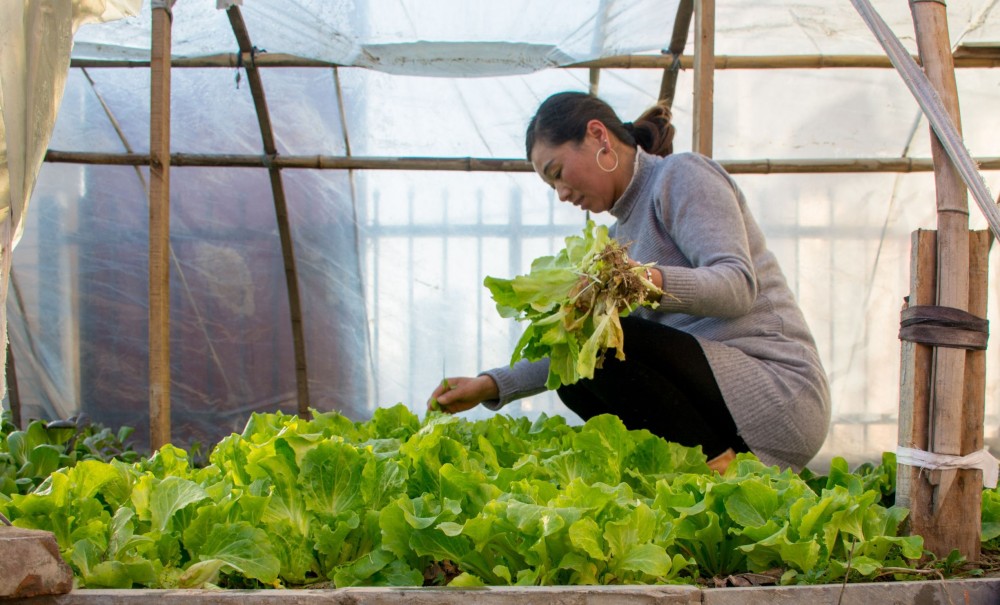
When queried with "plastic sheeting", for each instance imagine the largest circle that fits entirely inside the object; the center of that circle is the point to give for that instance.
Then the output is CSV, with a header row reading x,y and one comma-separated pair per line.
x,y
414,37
35,43
391,262
442,38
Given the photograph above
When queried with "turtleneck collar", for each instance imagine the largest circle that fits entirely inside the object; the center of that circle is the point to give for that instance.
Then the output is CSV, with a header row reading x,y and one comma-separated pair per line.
x,y
643,166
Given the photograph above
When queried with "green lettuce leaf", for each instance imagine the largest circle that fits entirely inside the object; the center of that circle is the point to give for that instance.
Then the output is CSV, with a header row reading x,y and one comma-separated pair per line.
x,y
572,303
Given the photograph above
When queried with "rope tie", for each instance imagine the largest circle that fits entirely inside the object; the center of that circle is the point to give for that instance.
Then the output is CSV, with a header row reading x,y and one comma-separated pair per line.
x,y
943,327
675,65
253,55
980,460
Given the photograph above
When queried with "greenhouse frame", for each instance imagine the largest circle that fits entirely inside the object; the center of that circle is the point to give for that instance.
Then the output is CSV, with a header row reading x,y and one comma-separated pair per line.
x,y
215,209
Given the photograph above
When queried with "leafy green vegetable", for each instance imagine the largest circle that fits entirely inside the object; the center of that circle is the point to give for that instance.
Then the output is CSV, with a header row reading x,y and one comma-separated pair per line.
x,y
435,406
991,517
396,501
28,456
573,303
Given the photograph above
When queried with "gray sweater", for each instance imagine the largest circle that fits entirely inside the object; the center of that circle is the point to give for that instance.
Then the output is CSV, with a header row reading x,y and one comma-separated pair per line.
x,y
687,215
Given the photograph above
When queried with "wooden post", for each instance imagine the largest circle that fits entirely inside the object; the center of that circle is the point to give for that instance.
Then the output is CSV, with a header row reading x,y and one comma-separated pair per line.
x,y
930,22
954,522
159,231
704,74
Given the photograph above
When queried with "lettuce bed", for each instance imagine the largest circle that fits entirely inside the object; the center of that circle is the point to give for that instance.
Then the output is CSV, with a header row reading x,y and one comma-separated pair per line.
x,y
400,501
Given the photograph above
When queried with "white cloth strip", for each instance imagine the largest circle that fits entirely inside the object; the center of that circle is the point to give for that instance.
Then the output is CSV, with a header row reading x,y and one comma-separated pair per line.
x,y
167,4
982,460
934,109
224,4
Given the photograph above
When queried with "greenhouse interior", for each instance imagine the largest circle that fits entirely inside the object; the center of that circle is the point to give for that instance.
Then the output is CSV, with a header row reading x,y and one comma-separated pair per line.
x,y
343,176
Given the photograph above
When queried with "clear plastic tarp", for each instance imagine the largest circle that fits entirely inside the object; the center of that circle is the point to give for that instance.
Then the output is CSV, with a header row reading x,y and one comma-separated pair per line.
x,y
391,262
35,43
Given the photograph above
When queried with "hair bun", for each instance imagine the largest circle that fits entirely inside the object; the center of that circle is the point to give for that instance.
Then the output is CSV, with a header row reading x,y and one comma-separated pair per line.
x,y
629,126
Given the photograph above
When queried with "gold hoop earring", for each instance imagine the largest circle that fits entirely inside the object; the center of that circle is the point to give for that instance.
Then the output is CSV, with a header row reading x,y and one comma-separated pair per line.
x,y
614,153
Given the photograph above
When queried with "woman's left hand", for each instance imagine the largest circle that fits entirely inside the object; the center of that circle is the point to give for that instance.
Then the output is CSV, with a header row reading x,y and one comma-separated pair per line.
x,y
653,274
462,393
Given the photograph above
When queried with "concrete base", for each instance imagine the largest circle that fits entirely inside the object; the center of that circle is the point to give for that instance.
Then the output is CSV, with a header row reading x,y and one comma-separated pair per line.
x,y
930,592
30,564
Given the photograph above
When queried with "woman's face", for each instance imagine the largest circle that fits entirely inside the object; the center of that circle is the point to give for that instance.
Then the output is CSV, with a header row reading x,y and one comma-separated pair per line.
x,y
571,169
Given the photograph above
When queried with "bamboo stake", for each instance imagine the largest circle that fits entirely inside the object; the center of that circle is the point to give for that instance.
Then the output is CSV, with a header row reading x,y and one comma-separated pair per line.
x,y
350,162
948,373
704,76
678,41
280,210
159,231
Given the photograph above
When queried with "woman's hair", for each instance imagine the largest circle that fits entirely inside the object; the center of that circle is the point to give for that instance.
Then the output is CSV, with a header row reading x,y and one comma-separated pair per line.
x,y
563,118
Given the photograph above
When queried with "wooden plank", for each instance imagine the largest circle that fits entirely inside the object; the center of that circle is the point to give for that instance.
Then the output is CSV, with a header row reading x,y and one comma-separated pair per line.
x,y
966,503
914,392
704,76
159,231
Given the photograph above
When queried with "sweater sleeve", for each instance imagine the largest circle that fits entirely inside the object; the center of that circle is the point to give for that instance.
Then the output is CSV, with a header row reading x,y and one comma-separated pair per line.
x,y
523,379
702,213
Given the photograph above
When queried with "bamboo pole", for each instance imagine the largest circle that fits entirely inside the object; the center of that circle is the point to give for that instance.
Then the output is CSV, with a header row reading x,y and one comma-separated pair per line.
x,y
704,75
678,41
964,58
303,402
159,231
322,162
948,367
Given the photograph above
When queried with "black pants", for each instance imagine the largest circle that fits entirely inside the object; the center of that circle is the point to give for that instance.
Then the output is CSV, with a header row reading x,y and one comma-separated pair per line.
x,y
665,386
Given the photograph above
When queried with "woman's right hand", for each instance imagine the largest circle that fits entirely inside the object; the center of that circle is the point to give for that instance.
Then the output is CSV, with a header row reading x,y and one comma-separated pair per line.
x,y
463,393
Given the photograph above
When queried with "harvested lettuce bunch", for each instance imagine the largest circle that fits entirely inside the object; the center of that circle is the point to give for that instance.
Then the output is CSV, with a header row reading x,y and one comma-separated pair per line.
x,y
573,303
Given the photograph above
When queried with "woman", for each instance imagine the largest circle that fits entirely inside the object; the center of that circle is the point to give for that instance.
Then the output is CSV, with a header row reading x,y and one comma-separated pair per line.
x,y
726,360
